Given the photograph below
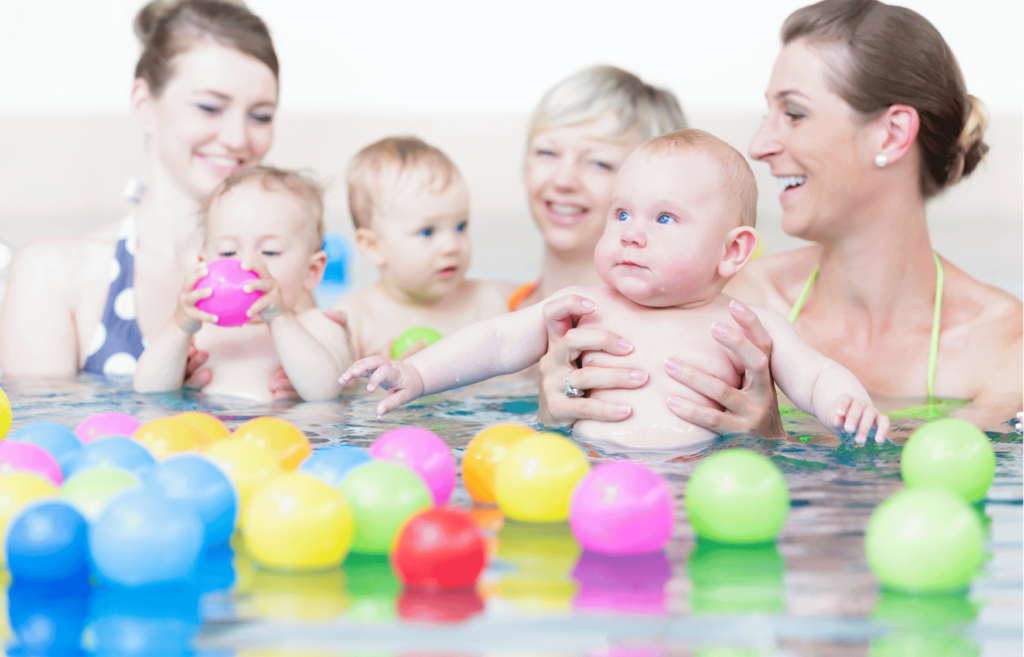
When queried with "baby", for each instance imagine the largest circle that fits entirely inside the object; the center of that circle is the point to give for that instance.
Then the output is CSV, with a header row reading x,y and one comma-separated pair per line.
x,y
271,220
410,207
679,226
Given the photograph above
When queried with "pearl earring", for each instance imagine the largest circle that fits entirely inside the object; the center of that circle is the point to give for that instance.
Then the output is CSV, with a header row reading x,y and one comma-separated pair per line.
x,y
881,160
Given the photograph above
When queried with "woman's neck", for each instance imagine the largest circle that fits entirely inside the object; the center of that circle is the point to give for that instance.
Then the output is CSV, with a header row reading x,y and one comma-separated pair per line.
x,y
562,270
167,218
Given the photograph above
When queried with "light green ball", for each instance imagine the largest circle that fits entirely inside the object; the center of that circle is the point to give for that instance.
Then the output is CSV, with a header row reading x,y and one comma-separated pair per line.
x,y
924,540
950,453
92,490
406,340
737,496
382,497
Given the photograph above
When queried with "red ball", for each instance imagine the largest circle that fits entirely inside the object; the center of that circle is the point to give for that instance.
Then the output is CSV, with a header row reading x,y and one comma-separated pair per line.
x,y
440,548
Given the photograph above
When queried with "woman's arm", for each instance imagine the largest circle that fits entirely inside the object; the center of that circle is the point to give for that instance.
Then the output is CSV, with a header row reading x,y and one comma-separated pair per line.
x,y
1002,397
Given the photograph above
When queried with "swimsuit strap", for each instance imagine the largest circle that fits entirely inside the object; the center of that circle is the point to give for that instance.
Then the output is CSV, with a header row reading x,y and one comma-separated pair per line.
x,y
800,300
520,295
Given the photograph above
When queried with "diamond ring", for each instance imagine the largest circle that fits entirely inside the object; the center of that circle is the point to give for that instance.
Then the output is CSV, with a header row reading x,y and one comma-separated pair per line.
x,y
570,391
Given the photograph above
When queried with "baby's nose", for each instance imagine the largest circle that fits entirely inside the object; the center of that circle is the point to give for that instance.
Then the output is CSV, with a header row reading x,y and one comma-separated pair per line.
x,y
634,236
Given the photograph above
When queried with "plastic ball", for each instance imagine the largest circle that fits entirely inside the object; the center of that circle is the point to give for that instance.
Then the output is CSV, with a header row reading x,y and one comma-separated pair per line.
x,y
195,479
17,490
229,301
406,340
168,436
144,538
101,425
423,452
91,490
535,480
298,522
114,452
47,541
246,464
206,424
622,508
286,442
737,496
382,497
484,453
58,440
5,414
924,540
16,455
331,464
440,548
951,453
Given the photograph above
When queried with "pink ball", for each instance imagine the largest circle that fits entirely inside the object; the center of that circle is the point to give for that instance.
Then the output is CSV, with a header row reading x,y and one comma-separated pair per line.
x,y
423,452
101,425
15,455
229,301
622,508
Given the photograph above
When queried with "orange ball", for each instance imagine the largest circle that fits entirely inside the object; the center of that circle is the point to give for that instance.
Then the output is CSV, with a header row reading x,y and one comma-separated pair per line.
x,y
287,443
167,436
205,424
484,453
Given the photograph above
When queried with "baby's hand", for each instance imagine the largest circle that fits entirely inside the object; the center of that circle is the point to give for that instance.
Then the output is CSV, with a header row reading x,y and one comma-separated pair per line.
x,y
186,315
402,381
271,304
860,416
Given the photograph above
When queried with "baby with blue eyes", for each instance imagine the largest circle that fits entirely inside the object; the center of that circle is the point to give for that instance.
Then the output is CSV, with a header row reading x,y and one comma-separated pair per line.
x,y
680,225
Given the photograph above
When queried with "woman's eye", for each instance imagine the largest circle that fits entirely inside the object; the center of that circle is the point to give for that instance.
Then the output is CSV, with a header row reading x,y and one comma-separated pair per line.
x,y
666,219
603,165
262,118
461,228
623,216
543,152
426,232
209,109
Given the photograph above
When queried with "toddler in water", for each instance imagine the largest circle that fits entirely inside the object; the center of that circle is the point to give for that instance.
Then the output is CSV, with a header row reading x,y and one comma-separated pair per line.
x,y
411,212
679,226
271,220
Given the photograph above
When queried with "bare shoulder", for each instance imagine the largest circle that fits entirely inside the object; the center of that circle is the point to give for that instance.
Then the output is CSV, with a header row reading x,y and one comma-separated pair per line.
x,y
60,264
774,281
990,313
490,298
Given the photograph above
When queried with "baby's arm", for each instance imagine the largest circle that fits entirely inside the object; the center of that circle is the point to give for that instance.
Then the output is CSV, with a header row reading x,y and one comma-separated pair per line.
x,y
820,386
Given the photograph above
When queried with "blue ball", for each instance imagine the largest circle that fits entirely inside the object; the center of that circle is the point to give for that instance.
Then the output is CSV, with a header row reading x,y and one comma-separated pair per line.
x,y
193,478
144,538
47,541
58,440
113,452
332,464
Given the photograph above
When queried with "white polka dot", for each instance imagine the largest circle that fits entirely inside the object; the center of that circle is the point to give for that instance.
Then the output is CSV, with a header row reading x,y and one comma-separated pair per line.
x,y
115,270
129,237
98,338
145,343
120,364
124,304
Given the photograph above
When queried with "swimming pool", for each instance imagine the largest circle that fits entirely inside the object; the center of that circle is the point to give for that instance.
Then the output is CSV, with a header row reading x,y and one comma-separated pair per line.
x,y
811,594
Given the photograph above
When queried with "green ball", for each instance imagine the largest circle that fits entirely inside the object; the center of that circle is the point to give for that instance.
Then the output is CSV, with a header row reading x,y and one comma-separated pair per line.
x,y
406,340
737,496
950,453
382,497
90,491
924,540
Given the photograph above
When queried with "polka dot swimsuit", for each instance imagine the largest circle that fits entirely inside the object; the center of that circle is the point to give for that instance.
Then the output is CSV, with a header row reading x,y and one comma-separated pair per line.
x,y
117,343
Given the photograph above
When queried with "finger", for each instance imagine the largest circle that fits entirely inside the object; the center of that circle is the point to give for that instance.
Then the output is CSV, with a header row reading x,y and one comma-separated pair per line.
x,y
842,409
195,275
190,298
337,316
384,375
196,359
391,402
576,341
591,378
853,415
755,361
417,346
259,306
882,431
194,313
711,419
198,379
360,368
705,384
867,421
560,313
261,284
751,326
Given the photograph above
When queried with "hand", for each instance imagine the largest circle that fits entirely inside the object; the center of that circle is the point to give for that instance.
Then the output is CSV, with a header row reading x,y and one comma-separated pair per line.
x,y
189,318
401,380
754,408
194,376
860,416
271,304
565,344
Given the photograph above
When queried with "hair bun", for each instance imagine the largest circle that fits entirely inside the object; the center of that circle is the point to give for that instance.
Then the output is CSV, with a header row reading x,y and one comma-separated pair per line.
x,y
973,135
148,18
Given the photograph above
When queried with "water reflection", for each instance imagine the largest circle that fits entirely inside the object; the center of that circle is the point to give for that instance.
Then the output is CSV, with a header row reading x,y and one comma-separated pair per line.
x,y
372,588
543,555
48,619
924,625
732,579
318,595
141,621
633,584
440,606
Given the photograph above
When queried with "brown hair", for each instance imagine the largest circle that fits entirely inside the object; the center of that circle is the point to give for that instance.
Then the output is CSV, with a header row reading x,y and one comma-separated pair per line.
x,y
739,178
892,55
168,28
396,156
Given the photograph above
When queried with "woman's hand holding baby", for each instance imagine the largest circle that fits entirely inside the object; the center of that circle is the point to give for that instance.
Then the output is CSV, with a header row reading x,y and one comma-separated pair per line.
x,y
189,318
400,379
856,415
271,304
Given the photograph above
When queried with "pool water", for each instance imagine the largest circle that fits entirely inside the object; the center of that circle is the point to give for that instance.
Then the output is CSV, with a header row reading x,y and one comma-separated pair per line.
x,y
810,594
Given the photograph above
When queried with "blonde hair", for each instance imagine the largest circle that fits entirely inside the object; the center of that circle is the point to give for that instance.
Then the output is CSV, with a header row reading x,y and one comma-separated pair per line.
x,y
397,157
591,92
739,178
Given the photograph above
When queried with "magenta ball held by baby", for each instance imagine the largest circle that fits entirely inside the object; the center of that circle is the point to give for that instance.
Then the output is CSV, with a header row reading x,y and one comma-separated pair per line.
x,y
423,452
229,301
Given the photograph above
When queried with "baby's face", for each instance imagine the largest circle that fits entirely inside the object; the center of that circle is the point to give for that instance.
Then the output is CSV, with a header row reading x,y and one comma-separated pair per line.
x,y
667,229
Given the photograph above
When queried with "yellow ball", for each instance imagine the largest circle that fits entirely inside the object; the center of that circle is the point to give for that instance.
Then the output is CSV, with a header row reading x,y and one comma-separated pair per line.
x,y
287,443
297,522
484,453
212,428
246,464
17,490
168,436
535,480
5,414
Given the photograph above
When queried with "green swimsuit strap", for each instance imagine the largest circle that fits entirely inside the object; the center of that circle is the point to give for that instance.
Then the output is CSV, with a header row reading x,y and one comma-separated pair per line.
x,y
800,300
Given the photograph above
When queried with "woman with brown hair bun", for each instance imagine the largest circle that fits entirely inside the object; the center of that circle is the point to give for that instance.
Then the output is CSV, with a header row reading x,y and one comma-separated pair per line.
x,y
868,118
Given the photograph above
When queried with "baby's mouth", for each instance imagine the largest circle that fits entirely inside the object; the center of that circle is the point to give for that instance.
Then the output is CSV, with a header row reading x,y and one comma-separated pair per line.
x,y
447,272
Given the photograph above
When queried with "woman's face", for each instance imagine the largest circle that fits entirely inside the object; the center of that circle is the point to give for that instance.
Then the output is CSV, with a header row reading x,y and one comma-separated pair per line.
x,y
816,145
570,173
213,117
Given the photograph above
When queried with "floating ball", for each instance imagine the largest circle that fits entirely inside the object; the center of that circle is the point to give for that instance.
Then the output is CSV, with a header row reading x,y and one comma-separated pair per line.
x,y
535,480
58,440
622,508
297,522
101,425
168,436
484,453
17,490
206,424
737,496
331,464
423,452
90,491
16,455
114,452
246,464
5,414
284,441
382,497
144,538
406,340
195,479
229,301
440,548
951,453
47,541
924,540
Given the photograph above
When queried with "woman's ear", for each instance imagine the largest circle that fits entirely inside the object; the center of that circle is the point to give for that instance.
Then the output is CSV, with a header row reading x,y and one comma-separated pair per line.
x,y
894,133
740,244
143,106
317,267
369,246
